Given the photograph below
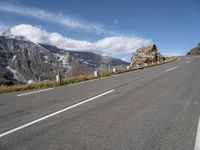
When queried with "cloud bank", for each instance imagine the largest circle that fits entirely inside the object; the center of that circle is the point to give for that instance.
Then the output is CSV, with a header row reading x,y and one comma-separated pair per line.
x,y
111,46
56,18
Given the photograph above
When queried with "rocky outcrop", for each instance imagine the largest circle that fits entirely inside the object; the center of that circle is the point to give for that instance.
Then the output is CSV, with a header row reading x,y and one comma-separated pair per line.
x,y
195,51
146,55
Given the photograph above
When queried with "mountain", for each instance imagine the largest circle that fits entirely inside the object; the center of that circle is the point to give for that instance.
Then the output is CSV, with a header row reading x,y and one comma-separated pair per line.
x,y
24,61
93,60
195,51
147,55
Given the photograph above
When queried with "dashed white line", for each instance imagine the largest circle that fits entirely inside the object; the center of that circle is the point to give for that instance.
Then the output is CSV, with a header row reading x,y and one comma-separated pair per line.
x,y
188,62
197,142
171,69
55,113
34,92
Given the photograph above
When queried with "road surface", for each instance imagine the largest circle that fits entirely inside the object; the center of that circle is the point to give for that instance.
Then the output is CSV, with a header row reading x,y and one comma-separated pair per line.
x,y
156,108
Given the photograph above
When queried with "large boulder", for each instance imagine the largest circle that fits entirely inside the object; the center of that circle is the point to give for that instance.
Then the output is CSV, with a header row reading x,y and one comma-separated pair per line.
x,y
146,55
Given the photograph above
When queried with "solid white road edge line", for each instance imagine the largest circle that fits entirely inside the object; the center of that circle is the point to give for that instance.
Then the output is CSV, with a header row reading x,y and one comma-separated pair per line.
x,y
171,69
55,113
35,92
197,142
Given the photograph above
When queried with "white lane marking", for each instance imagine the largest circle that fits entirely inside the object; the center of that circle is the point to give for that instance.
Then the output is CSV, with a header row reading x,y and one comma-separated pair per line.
x,y
171,69
197,142
188,61
35,92
55,113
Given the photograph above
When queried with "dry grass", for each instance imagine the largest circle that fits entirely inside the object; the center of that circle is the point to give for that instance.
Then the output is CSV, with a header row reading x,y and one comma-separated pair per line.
x,y
104,74
45,84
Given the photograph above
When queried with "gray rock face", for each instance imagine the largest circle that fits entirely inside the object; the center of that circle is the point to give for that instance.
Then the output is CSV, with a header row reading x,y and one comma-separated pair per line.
x,y
23,60
195,51
90,59
28,61
147,55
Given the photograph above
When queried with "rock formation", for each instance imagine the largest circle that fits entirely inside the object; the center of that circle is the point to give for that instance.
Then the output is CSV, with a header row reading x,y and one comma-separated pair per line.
x,y
146,55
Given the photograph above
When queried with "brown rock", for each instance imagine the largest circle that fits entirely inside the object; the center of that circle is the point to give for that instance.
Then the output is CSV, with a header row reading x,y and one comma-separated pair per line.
x,y
146,55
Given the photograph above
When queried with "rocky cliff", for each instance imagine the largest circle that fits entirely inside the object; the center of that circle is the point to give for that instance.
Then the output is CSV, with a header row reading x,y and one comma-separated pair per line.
x,y
195,51
24,61
29,61
146,55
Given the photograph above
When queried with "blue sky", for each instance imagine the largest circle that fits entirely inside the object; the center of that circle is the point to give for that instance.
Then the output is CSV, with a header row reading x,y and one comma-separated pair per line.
x,y
109,27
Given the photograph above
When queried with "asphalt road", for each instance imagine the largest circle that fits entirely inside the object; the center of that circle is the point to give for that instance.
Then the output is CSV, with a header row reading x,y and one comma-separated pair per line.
x,y
157,108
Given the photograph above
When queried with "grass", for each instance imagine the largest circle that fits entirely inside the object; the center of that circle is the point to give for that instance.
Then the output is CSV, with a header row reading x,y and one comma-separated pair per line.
x,y
44,84
67,81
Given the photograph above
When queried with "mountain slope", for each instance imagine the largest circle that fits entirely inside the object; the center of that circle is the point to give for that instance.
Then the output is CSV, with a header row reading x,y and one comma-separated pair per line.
x,y
28,61
195,51
23,60
91,59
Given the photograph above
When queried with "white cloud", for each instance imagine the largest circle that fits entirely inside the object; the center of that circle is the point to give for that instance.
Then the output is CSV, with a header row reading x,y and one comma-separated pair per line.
x,y
57,18
111,46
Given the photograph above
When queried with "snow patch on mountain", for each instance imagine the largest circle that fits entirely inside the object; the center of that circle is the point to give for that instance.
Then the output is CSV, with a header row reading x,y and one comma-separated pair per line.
x,y
89,64
63,59
17,76
46,59
13,58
